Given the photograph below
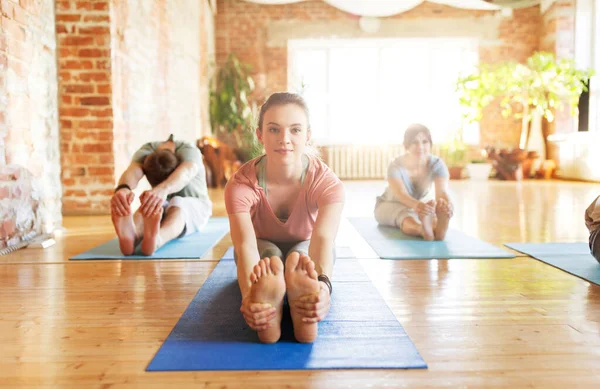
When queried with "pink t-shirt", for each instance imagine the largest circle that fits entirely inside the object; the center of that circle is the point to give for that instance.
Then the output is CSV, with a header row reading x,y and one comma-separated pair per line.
x,y
320,187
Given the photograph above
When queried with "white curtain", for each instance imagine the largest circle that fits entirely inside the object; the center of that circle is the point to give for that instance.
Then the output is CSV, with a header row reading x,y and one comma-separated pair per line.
x,y
382,8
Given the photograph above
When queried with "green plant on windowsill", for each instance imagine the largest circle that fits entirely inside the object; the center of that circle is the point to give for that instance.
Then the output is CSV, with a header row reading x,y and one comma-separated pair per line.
x,y
232,115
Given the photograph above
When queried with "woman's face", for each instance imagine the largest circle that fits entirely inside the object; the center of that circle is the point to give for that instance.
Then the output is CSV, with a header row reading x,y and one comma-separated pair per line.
x,y
284,132
421,146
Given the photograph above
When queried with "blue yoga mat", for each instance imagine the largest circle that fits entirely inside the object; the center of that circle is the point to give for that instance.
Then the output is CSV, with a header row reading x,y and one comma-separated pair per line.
x,y
573,258
391,243
340,252
190,246
360,331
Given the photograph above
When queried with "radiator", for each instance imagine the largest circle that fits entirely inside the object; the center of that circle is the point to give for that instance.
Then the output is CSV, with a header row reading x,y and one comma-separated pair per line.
x,y
357,162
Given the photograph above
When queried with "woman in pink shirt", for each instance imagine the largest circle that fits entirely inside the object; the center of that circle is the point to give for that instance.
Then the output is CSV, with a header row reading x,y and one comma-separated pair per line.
x,y
284,206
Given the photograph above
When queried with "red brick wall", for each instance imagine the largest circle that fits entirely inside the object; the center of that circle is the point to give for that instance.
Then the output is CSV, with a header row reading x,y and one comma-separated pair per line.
x,y
130,73
243,28
85,95
29,156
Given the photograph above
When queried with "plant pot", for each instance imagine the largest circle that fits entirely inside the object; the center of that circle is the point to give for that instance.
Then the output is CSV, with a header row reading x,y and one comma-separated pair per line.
x,y
456,172
479,171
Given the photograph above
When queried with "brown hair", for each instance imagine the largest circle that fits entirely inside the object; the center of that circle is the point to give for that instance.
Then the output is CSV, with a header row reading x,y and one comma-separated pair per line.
x,y
412,131
282,98
159,165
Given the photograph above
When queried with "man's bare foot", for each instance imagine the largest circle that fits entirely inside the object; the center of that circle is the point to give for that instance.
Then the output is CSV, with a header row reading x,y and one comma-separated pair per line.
x,y
443,213
301,280
427,224
268,287
152,241
125,230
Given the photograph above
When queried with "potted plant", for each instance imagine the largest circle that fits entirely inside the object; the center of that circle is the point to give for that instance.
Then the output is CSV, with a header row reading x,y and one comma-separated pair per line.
x,y
453,152
232,115
529,91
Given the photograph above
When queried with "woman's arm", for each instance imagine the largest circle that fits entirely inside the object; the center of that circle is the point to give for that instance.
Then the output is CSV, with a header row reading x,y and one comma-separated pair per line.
x,y
323,237
399,190
244,243
441,189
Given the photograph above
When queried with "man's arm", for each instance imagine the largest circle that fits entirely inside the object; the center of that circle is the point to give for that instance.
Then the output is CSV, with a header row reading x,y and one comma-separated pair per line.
x,y
132,175
180,178
120,203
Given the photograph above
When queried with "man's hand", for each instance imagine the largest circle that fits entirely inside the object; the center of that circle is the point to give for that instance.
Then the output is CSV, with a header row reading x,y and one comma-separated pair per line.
x,y
152,201
120,203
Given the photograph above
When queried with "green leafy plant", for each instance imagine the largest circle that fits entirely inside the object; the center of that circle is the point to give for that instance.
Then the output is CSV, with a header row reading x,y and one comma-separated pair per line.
x,y
231,112
540,86
454,149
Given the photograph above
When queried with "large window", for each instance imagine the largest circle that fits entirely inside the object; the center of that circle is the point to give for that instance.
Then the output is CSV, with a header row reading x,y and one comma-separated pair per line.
x,y
587,54
366,91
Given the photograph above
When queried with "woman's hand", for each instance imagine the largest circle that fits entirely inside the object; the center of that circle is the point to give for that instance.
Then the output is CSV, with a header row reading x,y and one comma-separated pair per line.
x,y
314,308
425,209
257,315
445,207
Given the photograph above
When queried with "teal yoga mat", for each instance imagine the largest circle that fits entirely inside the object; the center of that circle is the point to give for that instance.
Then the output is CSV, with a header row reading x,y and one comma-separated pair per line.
x,y
360,331
573,258
391,243
188,247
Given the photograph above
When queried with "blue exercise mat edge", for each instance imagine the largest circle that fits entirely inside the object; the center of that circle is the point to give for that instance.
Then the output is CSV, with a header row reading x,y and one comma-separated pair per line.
x,y
416,248
213,232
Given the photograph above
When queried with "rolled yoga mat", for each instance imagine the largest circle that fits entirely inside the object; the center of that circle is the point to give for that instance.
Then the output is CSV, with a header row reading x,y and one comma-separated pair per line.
x,y
573,258
391,243
360,331
187,247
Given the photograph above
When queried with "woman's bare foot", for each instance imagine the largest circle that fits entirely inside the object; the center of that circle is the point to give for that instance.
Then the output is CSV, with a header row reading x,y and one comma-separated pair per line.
x,y
427,224
125,230
268,287
301,280
152,241
443,213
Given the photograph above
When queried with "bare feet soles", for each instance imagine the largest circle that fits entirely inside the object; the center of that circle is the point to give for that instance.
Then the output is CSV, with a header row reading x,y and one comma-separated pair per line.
x,y
125,230
427,224
443,214
301,280
151,241
268,287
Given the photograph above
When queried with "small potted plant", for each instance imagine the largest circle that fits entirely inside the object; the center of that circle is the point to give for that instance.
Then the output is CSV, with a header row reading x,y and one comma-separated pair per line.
x,y
453,152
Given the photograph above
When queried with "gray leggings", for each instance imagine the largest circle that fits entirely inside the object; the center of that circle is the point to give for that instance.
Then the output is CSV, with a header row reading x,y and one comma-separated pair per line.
x,y
282,249
595,243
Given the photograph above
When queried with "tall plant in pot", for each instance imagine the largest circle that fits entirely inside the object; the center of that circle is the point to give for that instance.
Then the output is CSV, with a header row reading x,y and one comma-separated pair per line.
x,y
529,92
453,151
232,115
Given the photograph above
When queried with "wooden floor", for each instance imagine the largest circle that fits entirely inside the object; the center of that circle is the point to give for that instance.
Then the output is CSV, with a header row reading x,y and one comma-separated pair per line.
x,y
512,323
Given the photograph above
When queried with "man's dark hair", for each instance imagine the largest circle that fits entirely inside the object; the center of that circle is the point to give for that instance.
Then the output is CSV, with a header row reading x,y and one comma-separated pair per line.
x,y
159,165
